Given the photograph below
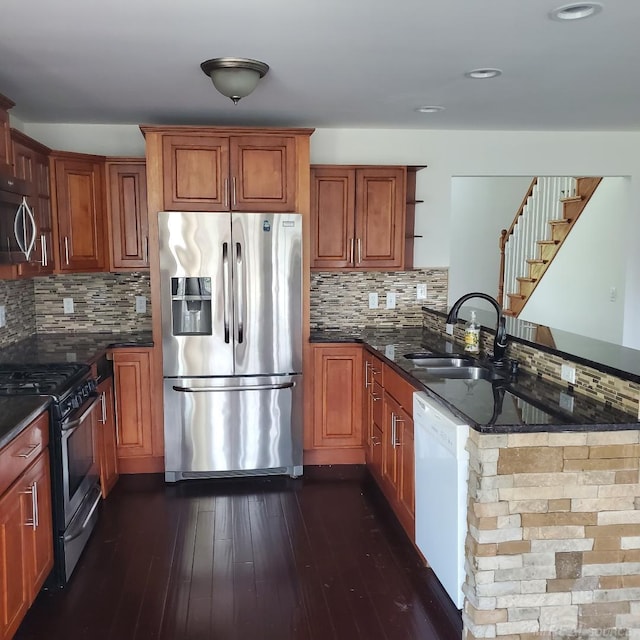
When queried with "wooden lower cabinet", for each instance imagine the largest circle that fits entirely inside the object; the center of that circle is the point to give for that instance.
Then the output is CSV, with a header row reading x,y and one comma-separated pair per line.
x,y
107,454
388,424
26,532
134,425
337,405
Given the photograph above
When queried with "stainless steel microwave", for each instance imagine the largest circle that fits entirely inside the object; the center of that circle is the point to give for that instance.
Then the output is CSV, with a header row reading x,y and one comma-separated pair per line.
x,y
18,228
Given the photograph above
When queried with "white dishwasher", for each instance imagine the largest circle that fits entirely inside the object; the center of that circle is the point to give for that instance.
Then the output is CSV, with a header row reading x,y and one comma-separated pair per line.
x,y
441,470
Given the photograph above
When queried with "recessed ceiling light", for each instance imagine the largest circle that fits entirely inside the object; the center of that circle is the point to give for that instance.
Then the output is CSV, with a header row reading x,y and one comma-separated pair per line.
x,y
429,109
483,74
576,11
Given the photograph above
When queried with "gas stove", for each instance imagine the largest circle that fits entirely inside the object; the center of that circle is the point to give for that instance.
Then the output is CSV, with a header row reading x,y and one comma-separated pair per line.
x,y
55,380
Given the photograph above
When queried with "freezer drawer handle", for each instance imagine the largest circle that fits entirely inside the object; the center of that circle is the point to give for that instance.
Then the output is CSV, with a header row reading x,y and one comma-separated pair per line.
x,y
253,387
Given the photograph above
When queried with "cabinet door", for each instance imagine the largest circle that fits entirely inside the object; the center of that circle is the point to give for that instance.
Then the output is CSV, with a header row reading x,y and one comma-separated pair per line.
x,y
390,409
405,479
337,398
332,218
5,138
42,211
196,173
106,440
132,379
380,207
263,173
80,214
127,211
14,555
36,485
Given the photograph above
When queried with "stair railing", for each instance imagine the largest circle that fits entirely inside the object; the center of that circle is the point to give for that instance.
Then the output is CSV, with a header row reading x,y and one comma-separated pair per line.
x,y
541,203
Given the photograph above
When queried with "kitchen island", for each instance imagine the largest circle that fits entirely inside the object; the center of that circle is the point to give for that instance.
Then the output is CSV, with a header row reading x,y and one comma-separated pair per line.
x,y
553,540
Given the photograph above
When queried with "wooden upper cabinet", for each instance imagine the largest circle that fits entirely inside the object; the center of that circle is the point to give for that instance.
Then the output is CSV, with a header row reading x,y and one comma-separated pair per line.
x,y
358,217
209,172
380,218
332,217
5,136
196,172
263,173
127,214
31,163
79,204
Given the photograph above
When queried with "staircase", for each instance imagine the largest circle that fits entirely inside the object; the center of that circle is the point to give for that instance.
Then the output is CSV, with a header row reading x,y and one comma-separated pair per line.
x,y
546,216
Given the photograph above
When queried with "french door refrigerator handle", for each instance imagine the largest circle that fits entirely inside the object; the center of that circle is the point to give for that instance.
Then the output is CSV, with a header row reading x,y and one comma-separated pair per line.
x,y
240,283
226,293
252,387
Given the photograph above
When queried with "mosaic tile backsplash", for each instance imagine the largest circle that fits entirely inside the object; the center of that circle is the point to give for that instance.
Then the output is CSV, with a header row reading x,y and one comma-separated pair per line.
x,y
340,300
18,300
102,302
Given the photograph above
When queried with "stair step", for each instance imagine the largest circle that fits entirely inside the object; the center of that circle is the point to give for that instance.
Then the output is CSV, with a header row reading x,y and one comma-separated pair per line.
x,y
571,199
527,279
562,221
536,261
515,296
548,242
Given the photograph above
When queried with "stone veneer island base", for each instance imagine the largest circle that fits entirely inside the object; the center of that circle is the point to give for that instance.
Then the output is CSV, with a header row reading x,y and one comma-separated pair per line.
x,y
553,542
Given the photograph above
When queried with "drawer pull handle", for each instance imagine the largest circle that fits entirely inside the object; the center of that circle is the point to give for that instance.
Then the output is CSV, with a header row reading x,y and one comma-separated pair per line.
x,y
28,452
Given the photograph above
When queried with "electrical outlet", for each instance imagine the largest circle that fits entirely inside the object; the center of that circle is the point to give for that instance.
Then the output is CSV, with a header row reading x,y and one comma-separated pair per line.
x,y
568,373
421,291
141,304
390,351
3,316
391,300
449,329
67,305
566,401
613,294
373,300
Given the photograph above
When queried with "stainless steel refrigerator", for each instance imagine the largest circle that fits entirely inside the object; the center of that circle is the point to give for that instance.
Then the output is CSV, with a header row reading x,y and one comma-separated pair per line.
x,y
231,288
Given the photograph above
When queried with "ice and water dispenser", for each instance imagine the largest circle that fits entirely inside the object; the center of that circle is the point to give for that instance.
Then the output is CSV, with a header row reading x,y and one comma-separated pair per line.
x,y
191,306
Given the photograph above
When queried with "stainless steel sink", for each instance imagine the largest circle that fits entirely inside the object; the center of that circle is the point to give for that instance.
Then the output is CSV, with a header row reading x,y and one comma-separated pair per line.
x,y
421,360
459,373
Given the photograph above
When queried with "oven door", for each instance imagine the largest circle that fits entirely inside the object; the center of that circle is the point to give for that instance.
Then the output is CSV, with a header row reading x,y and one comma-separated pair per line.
x,y
79,466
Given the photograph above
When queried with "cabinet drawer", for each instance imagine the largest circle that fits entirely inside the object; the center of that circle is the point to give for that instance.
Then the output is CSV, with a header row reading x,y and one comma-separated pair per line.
x,y
23,450
396,386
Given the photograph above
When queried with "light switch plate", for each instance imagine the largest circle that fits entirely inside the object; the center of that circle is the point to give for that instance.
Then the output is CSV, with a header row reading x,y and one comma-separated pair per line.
x,y
566,401
373,300
3,316
568,373
141,304
67,305
391,300
421,291
449,329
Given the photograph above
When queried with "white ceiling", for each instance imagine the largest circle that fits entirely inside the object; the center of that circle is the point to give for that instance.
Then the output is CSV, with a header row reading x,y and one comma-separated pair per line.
x,y
334,63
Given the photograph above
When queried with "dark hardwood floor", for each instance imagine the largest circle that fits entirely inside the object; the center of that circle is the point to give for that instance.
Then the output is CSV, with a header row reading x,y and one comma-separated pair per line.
x,y
317,558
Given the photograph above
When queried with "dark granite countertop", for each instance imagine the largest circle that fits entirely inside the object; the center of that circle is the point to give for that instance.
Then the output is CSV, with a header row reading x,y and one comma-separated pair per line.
x,y
17,413
500,406
70,347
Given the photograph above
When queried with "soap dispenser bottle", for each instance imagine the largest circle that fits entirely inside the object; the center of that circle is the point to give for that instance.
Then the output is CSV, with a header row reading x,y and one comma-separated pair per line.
x,y
472,335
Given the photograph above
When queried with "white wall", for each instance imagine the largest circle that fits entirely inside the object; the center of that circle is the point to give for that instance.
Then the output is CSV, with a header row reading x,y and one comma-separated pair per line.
x,y
575,293
480,209
447,154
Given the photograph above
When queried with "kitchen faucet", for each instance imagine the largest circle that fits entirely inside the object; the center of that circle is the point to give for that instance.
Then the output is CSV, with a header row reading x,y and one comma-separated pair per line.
x,y
500,341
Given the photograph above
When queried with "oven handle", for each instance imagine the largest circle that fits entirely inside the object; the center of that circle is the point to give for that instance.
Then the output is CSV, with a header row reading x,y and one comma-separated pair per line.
x,y
74,424
78,532
253,387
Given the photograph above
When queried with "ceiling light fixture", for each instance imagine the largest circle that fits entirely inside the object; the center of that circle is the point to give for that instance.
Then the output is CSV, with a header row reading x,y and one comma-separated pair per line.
x,y
235,78
429,109
483,74
576,11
